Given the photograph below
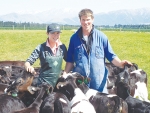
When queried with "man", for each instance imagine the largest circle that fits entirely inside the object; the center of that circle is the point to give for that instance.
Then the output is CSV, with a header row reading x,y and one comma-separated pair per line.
x,y
87,51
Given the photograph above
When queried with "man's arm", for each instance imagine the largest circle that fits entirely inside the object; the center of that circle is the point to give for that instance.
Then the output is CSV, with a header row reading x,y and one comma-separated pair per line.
x,y
120,63
68,67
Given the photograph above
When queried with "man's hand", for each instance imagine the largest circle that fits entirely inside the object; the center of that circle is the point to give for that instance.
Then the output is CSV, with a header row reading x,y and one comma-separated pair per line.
x,y
120,63
124,62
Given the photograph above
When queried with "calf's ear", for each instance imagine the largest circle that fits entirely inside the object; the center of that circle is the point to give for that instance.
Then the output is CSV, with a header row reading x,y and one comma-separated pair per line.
x,y
32,89
60,84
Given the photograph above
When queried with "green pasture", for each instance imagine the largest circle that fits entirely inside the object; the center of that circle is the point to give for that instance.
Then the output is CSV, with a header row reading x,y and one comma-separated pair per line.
x,y
133,46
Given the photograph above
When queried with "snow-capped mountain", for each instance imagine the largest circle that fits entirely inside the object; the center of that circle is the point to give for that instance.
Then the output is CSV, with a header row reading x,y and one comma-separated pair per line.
x,y
124,17
70,17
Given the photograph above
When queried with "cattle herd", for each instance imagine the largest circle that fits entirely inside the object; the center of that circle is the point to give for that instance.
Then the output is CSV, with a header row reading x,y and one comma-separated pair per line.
x,y
127,91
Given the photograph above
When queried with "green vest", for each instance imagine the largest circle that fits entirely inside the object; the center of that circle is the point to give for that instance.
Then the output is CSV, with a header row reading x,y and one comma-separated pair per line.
x,y
52,69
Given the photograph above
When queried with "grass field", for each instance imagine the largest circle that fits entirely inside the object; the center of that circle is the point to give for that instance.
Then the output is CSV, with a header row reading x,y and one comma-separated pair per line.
x,y
133,46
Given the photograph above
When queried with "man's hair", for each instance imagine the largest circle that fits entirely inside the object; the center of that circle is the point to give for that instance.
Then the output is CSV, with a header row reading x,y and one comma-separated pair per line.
x,y
86,12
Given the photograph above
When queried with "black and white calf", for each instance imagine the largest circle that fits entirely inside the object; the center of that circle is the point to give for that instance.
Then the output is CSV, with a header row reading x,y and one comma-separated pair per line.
x,y
79,102
139,77
55,103
136,80
114,74
102,102
134,105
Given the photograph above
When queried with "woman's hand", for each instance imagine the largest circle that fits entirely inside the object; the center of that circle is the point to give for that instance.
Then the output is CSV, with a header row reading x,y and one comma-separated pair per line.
x,y
29,68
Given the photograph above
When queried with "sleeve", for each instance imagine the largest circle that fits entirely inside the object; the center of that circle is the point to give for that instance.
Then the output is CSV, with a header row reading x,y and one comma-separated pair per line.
x,y
109,53
63,47
34,55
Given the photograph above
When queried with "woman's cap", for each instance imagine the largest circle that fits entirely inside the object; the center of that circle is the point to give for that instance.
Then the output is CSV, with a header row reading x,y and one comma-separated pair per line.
x,y
53,28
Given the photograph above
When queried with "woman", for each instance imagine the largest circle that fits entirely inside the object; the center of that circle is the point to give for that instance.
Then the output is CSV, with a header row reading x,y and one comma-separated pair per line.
x,y
51,54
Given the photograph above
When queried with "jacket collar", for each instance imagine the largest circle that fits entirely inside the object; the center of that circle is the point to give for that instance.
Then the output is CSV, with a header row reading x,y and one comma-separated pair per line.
x,y
80,33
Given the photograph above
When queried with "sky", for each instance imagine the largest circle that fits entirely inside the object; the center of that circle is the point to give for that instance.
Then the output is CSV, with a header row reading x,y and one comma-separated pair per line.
x,y
97,6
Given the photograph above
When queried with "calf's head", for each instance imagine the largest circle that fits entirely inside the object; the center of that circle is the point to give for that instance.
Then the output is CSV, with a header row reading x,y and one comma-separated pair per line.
x,y
123,90
70,82
21,83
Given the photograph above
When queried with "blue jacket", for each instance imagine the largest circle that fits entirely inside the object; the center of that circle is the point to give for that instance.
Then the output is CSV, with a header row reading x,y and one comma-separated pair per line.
x,y
90,59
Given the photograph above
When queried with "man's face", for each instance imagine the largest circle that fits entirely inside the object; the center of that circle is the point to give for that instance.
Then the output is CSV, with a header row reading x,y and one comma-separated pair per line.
x,y
86,22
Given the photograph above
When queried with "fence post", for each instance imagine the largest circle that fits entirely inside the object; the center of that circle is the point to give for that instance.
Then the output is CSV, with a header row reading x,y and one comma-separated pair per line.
x,y
120,28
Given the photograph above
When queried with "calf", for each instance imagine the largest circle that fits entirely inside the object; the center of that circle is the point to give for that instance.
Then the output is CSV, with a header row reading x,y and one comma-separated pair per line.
x,y
79,102
22,82
56,103
22,85
35,106
134,105
123,76
115,72
102,102
10,71
63,89
139,79
8,104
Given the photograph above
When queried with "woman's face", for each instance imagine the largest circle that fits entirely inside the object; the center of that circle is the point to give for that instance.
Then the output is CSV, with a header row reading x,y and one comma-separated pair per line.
x,y
86,22
53,37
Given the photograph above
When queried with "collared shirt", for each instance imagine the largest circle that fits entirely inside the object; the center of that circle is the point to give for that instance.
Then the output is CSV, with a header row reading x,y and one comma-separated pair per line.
x,y
54,49
88,43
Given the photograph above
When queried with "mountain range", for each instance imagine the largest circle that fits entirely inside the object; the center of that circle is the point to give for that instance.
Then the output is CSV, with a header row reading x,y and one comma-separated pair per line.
x,y
70,17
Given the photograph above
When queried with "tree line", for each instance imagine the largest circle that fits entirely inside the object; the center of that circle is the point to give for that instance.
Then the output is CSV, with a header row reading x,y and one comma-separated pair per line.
x,y
39,26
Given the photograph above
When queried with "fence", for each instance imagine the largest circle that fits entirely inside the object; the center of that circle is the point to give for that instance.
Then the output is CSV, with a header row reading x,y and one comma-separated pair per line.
x,y
63,27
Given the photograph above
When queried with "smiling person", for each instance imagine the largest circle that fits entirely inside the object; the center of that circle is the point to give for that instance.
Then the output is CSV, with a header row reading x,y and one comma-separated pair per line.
x,y
87,51
51,54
